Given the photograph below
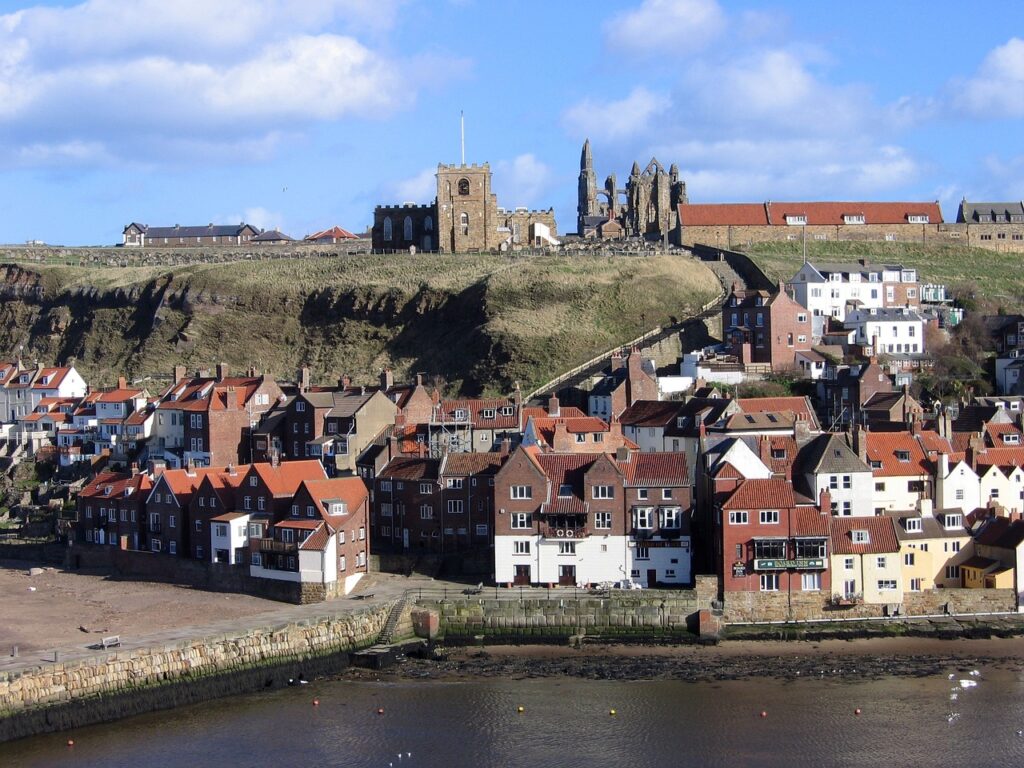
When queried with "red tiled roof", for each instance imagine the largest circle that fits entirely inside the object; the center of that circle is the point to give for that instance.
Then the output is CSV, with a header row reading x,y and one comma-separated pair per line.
x,y
118,395
117,482
410,468
723,214
881,535
882,448
816,213
337,233
318,539
727,471
1000,457
647,469
305,525
465,464
58,375
350,490
801,406
445,412
806,521
564,412
287,476
184,482
771,493
217,395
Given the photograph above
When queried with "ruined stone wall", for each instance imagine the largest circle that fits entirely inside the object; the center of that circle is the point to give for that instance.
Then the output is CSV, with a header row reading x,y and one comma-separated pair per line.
x,y
116,683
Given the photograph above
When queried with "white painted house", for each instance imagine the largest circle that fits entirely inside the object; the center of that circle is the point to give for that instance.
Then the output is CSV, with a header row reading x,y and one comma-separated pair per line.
x,y
897,330
827,289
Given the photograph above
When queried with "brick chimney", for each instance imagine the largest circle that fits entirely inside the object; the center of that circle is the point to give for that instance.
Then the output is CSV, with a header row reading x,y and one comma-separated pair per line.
x,y
618,361
435,397
764,450
419,379
561,442
304,379
860,443
504,447
179,373
275,459
222,371
387,379
825,502
553,406
122,382
345,381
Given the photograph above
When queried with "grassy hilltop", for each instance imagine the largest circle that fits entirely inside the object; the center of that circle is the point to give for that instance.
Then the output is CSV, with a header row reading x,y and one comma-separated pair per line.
x,y
481,322
998,276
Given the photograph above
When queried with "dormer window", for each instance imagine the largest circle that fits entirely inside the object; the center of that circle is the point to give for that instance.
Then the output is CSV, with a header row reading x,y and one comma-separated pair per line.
x,y
337,508
860,537
853,218
564,490
507,410
903,456
778,453
460,414
1011,439
917,218
952,521
796,220
875,464
488,413
912,525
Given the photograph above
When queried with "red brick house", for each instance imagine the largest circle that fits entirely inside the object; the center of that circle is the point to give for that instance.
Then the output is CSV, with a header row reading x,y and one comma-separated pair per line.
x,y
407,505
765,329
111,510
770,539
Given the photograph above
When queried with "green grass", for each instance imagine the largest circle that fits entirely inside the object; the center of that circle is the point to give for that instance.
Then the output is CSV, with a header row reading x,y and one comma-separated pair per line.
x,y
998,276
481,322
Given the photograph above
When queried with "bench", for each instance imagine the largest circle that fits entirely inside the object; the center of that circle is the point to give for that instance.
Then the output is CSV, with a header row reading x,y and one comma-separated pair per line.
x,y
114,641
366,596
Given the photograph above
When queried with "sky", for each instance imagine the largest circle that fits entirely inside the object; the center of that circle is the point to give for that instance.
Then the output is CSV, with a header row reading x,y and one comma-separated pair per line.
x,y
303,114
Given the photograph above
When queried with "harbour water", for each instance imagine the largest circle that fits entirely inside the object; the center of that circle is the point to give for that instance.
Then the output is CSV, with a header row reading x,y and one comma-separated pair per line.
x,y
567,722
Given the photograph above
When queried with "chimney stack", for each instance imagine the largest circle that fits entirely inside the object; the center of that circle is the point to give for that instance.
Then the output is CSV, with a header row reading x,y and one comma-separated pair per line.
x,y
387,379
222,371
179,373
304,379
553,406
344,382
122,382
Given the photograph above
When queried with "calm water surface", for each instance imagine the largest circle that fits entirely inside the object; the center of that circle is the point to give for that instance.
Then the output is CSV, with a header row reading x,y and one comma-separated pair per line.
x,y
904,722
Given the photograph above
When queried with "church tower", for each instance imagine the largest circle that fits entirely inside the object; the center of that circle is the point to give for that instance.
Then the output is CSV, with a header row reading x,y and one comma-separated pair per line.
x,y
587,199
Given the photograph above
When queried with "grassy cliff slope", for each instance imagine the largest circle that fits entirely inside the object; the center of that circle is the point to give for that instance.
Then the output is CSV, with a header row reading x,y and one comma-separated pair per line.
x,y
481,322
998,276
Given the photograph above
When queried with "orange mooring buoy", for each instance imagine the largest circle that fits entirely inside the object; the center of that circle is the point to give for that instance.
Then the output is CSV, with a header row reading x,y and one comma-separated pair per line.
x,y
763,713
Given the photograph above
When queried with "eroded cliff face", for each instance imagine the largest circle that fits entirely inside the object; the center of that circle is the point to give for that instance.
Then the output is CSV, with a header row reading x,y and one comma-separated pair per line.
x,y
479,324
147,328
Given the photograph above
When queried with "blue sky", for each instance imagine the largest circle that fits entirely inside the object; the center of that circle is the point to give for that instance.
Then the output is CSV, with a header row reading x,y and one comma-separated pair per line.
x,y
305,113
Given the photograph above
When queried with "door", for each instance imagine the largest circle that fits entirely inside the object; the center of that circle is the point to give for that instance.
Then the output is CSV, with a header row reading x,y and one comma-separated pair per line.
x,y
652,578
567,575
405,538
522,576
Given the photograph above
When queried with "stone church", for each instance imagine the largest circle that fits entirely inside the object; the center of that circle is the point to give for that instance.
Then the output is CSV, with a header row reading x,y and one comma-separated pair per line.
x,y
463,218
647,207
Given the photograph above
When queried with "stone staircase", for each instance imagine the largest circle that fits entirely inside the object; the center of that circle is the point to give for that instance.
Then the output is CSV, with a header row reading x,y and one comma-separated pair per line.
x,y
394,621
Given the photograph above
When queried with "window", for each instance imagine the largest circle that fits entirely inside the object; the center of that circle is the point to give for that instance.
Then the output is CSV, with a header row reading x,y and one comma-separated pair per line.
x,y
602,521
833,482
643,553
848,563
666,494
880,487
604,492
170,521
738,518
885,585
670,518
385,509
522,520
860,537
641,494
810,582
172,547
952,571
881,561
564,490
426,489
464,223
809,548
959,494
847,482
912,525
454,506
769,516
387,228
199,526
769,582
903,456
954,521
407,228
643,518
463,187
567,547
908,558
520,547
522,491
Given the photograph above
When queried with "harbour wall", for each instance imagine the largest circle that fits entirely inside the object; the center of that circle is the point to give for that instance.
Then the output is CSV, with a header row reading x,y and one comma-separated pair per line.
x,y
120,683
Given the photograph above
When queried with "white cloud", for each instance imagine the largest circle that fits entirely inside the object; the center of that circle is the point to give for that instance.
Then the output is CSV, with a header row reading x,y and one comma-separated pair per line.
x,y
420,189
665,27
152,76
522,181
264,219
997,88
615,120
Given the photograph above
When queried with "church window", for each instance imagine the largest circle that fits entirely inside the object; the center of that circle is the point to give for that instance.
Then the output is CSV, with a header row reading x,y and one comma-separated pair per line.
x,y
463,186
428,224
387,227
464,221
407,228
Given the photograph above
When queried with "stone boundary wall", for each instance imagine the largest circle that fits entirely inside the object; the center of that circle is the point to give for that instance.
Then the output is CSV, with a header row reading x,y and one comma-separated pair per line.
x,y
741,264
804,606
148,566
645,615
125,682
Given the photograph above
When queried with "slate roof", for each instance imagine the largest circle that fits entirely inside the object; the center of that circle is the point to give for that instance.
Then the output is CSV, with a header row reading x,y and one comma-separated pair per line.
x,y
1001,532
272,236
410,468
650,413
990,213
829,454
209,230
931,528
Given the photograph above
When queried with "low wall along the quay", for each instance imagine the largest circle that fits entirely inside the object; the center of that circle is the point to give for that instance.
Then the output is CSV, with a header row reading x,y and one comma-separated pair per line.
x,y
119,683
